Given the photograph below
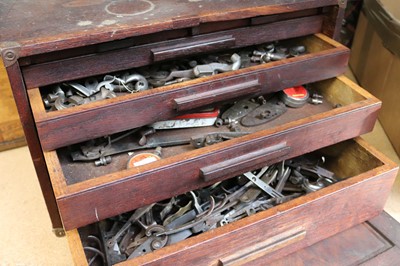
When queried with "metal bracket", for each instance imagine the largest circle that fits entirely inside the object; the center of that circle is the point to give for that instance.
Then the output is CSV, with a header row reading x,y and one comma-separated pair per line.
x,y
59,232
10,54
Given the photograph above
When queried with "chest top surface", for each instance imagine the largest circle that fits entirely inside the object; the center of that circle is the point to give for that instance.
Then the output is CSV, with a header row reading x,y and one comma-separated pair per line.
x,y
40,26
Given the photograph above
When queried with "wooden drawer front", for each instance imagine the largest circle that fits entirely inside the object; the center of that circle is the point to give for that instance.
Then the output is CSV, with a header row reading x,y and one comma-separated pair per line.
x,y
84,197
291,226
327,59
101,63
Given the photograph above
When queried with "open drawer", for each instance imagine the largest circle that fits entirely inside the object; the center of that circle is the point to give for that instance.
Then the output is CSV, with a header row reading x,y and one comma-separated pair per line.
x,y
365,180
86,193
326,59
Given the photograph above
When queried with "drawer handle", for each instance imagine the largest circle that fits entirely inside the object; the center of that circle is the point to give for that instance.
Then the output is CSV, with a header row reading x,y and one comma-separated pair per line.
x,y
192,47
246,255
244,162
217,95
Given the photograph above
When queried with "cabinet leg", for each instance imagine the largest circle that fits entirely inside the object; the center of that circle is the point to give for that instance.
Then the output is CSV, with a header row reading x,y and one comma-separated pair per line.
x,y
59,232
26,116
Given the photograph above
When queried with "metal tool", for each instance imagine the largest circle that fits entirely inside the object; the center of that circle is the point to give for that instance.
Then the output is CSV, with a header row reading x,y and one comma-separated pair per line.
x,y
212,138
239,110
263,114
152,227
138,139
262,185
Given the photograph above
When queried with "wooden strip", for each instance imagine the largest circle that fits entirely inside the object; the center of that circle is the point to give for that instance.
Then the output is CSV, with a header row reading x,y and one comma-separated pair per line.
x,y
385,224
36,102
56,174
25,113
11,144
390,257
358,89
290,15
194,47
376,153
217,95
76,247
244,163
329,40
350,247
248,254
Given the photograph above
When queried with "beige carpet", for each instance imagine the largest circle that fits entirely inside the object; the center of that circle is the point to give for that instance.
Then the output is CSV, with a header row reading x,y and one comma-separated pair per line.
x,y
25,228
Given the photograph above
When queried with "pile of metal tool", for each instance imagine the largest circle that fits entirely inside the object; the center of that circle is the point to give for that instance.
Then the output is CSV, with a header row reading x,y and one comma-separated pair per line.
x,y
235,120
76,93
167,222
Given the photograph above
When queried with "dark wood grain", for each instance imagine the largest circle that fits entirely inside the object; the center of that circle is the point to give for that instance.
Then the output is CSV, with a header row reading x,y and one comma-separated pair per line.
x,y
333,17
158,104
79,172
358,245
165,35
214,96
180,173
244,163
345,201
362,244
32,139
390,229
194,47
81,23
136,56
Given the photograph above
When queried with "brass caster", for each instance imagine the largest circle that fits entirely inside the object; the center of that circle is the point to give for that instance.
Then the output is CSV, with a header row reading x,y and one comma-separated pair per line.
x,y
59,232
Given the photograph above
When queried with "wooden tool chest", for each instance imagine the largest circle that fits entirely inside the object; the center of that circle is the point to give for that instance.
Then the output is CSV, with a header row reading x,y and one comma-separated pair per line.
x,y
68,41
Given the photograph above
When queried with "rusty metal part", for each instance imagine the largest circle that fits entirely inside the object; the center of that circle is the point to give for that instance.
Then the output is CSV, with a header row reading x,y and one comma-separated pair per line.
x,y
103,161
213,138
263,114
239,110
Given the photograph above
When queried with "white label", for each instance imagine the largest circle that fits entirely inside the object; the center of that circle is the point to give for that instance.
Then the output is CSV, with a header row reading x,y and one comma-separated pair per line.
x,y
145,161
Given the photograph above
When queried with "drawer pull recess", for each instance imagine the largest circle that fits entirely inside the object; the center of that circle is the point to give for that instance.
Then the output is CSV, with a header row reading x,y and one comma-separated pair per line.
x,y
246,255
217,95
191,47
244,162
